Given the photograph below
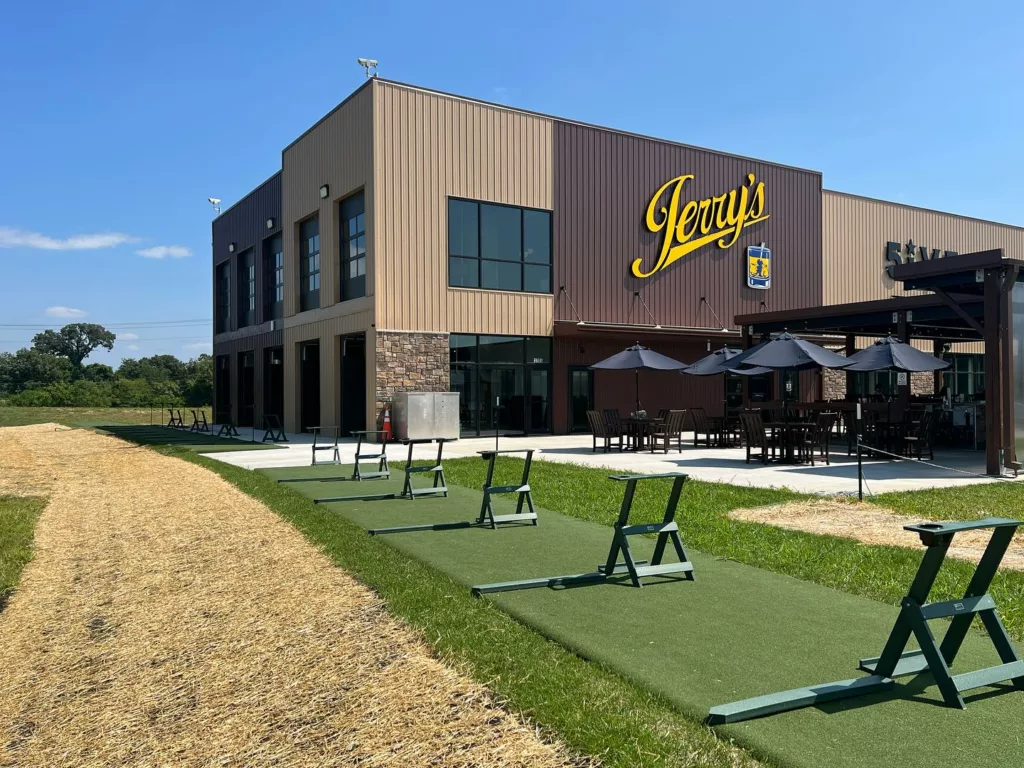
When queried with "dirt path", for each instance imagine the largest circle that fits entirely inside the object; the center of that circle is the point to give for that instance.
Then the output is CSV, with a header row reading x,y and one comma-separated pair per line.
x,y
869,524
169,619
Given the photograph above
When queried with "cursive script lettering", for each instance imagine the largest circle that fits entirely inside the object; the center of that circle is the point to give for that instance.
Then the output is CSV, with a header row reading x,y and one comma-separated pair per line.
x,y
696,223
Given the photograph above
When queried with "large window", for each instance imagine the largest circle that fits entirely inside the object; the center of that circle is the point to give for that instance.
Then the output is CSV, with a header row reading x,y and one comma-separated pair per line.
x,y
309,264
223,288
500,247
504,382
965,378
273,278
353,247
246,288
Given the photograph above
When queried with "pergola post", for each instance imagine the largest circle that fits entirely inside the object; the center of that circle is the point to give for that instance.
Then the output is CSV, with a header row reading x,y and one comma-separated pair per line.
x,y
993,385
903,332
745,331
1006,363
851,349
937,345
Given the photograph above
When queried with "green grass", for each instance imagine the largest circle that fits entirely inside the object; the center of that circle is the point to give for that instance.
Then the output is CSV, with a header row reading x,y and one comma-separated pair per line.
x,y
999,499
17,523
880,573
593,710
11,416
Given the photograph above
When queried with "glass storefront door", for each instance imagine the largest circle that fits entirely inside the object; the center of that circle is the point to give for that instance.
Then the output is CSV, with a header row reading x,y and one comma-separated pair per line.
x,y
581,397
502,399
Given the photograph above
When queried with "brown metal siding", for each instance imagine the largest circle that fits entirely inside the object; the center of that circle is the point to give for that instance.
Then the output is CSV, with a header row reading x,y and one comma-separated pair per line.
x,y
603,181
245,225
337,151
429,147
256,342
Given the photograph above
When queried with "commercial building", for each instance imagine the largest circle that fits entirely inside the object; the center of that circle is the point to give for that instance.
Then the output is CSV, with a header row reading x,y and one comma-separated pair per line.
x,y
415,240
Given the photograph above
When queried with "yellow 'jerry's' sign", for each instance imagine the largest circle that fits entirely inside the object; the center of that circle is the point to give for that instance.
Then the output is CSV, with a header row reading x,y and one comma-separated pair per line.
x,y
687,227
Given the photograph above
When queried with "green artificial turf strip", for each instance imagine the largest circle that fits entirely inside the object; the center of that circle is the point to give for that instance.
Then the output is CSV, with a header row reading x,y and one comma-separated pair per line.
x,y
182,438
592,709
17,523
735,632
880,573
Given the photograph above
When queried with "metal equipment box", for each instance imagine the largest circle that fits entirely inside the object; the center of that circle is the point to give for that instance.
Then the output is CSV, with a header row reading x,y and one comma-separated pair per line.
x,y
426,415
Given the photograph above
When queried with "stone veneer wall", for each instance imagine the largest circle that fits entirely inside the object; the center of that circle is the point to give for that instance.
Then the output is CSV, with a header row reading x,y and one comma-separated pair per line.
x,y
410,361
834,383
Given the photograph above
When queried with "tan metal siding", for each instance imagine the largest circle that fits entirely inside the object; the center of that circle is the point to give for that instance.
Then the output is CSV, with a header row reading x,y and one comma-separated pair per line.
x,y
338,152
429,147
855,231
327,331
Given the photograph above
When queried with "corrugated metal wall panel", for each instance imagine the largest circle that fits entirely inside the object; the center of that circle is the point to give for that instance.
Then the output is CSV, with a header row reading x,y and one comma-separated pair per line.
x,y
328,332
337,151
255,342
603,183
430,147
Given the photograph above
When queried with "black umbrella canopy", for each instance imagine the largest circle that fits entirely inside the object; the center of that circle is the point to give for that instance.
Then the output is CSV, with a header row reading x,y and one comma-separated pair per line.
x,y
788,351
891,353
635,358
720,361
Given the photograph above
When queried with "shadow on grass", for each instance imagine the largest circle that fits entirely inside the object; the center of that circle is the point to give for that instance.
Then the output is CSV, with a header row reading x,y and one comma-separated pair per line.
x,y
195,441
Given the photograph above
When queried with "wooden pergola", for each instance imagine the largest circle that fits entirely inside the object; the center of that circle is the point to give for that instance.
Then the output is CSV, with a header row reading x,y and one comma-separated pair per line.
x,y
967,298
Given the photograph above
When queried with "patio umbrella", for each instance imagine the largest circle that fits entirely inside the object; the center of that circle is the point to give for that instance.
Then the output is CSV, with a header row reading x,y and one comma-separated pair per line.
x,y
788,351
636,357
719,362
891,353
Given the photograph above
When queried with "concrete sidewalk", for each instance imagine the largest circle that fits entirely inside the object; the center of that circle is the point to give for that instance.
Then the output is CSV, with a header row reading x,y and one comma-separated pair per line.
x,y
725,465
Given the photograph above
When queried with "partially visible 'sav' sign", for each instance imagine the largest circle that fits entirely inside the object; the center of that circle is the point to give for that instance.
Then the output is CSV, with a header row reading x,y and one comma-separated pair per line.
x,y
685,227
897,253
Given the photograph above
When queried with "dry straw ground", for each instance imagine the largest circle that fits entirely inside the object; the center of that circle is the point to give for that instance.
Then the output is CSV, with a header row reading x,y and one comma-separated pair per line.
x,y
869,524
169,619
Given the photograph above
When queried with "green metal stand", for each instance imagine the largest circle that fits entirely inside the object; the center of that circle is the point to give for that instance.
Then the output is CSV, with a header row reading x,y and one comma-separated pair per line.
x,y
332,448
667,530
914,616
381,457
199,423
273,432
227,430
408,490
487,516
175,419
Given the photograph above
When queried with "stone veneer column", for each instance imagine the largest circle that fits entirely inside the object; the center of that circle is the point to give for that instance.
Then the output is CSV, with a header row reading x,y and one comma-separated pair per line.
x,y
922,383
833,381
410,361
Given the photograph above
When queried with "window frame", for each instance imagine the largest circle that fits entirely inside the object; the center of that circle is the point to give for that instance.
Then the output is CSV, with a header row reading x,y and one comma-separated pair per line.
x,y
309,298
246,287
344,252
480,258
273,267
222,280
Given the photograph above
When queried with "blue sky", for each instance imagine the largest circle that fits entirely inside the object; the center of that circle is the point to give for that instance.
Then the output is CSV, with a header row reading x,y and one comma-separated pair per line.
x,y
120,118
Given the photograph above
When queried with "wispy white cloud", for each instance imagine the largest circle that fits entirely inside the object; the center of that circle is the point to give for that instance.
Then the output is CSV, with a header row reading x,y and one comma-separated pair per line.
x,y
200,345
127,336
65,312
132,347
12,237
163,251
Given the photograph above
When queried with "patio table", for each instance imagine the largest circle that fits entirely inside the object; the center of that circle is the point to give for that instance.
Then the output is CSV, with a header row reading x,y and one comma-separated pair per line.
x,y
639,431
789,431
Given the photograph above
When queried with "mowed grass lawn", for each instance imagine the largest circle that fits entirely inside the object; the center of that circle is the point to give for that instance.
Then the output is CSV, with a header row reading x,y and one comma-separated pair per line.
x,y
13,416
877,572
17,523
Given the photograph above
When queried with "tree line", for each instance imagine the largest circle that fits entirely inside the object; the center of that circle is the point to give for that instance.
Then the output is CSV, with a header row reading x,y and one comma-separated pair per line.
x,y
52,372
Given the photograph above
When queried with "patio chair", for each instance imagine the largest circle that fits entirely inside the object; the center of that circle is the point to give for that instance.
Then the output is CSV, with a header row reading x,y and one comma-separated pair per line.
x,y
920,437
671,427
699,420
819,437
600,430
663,414
755,437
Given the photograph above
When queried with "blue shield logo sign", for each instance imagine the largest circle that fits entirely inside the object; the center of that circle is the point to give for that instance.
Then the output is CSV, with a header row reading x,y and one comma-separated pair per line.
x,y
759,267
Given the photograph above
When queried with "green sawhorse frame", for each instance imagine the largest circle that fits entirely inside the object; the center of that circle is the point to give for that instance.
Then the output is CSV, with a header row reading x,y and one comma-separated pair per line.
x,y
667,530
408,490
227,430
487,516
199,422
915,614
273,432
175,419
381,456
522,491
332,448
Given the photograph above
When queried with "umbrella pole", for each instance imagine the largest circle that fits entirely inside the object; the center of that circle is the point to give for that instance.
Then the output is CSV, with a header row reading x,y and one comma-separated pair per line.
x,y
636,373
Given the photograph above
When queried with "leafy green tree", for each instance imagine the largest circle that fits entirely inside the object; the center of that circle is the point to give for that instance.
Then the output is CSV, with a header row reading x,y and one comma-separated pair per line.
x,y
74,342
30,368
197,387
98,372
